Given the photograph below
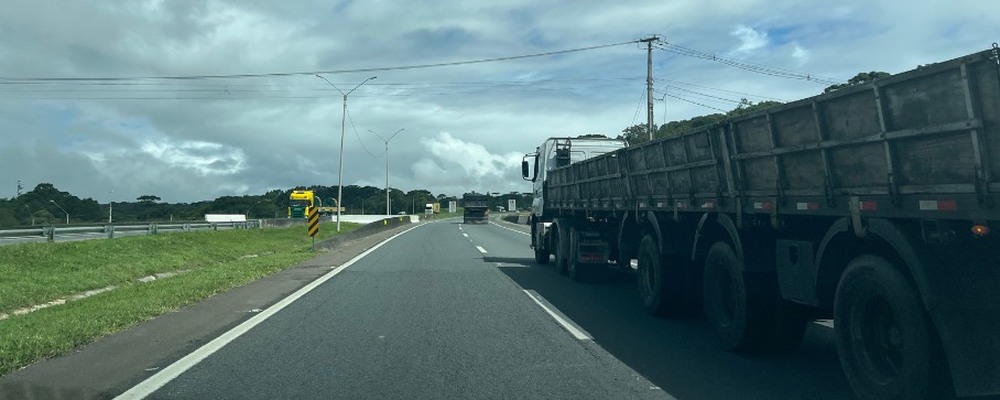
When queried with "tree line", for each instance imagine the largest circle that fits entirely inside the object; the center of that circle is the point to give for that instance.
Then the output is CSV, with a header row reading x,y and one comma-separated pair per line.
x,y
47,205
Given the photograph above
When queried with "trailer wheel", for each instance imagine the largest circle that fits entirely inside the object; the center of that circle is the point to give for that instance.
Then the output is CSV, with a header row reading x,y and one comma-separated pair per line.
x,y
660,289
745,309
887,346
725,297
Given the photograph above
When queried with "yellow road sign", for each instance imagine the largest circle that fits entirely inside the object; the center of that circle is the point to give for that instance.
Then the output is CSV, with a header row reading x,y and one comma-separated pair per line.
x,y
313,222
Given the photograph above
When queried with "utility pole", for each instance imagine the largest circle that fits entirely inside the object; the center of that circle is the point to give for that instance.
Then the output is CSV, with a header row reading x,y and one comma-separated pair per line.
x,y
649,82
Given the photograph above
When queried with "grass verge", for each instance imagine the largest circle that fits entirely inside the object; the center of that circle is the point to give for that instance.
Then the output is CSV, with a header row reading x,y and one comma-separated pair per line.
x,y
45,271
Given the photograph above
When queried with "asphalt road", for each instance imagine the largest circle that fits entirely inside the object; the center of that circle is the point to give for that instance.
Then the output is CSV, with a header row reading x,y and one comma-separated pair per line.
x,y
424,316
456,311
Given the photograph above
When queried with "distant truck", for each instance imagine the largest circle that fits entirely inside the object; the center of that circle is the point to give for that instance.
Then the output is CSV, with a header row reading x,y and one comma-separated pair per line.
x,y
327,210
872,205
476,208
300,203
432,208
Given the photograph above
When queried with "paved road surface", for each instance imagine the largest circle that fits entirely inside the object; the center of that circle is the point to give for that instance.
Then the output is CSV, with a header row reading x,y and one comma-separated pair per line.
x,y
443,311
421,317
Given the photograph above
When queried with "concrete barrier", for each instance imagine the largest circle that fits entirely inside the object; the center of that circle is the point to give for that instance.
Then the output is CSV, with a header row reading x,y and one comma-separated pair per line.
x,y
383,224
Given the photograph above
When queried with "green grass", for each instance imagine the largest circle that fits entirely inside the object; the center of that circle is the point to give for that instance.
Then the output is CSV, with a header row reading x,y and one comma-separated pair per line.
x,y
37,273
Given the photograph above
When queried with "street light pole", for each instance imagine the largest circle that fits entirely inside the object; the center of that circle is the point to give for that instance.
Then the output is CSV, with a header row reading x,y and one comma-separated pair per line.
x,y
110,205
251,208
30,214
63,210
387,166
343,128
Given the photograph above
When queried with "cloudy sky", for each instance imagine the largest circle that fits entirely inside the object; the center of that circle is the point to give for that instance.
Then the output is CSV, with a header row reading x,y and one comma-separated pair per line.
x,y
274,125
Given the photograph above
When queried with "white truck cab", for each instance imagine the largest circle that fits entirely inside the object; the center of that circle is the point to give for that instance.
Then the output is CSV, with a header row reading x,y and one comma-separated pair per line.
x,y
555,153
561,151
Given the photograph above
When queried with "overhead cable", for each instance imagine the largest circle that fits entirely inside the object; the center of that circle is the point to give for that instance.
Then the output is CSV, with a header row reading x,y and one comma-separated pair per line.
x,y
756,68
4,79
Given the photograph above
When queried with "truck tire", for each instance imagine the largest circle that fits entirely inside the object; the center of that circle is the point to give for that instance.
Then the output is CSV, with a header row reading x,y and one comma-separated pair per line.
x,y
725,298
887,345
541,252
581,272
561,248
660,286
541,255
746,309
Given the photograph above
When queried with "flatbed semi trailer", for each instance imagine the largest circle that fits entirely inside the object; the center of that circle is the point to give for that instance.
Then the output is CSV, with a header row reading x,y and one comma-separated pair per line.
x,y
872,205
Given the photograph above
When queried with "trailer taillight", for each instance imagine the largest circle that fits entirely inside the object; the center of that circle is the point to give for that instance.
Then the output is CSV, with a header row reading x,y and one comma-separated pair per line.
x,y
980,230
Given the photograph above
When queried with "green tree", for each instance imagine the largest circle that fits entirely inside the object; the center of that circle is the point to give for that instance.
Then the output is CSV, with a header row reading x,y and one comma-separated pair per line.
x,y
861,78
635,134
8,214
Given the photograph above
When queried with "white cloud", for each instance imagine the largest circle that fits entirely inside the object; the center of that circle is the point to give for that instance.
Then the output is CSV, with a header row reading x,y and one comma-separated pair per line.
x,y
463,166
800,54
190,140
202,157
750,39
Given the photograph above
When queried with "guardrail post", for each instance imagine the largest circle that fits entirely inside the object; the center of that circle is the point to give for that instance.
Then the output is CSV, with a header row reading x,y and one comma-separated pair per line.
x,y
50,233
153,228
111,231
215,226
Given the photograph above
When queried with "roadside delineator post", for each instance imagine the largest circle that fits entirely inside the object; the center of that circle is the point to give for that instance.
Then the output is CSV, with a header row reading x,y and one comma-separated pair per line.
x,y
313,225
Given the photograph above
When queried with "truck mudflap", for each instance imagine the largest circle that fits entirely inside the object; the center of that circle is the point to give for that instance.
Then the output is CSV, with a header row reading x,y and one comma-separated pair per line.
x,y
960,286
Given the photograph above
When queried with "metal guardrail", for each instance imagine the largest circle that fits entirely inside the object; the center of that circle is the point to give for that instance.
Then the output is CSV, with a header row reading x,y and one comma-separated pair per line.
x,y
52,232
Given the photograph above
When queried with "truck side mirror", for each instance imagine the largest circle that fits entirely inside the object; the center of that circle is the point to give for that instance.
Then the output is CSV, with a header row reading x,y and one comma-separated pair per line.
x,y
526,172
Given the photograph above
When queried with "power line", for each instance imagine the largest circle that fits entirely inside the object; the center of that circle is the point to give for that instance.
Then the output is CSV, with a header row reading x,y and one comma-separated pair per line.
x,y
639,106
675,82
756,68
359,136
302,73
723,99
694,102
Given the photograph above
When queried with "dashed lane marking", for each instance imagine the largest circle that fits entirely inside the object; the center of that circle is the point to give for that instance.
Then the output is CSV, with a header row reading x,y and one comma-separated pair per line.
x,y
481,249
824,322
510,229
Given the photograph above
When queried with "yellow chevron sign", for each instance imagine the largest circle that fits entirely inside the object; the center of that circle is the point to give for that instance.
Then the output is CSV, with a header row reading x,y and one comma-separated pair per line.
x,y
313,222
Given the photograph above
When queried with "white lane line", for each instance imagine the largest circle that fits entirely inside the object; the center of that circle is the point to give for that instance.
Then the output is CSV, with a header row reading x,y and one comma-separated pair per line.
x,y
481,249
158,380
824,322
509,229
502,265
465,234
563,320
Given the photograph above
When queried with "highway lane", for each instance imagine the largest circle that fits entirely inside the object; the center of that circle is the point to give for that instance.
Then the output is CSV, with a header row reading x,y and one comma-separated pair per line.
x,y
678,355
427,315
